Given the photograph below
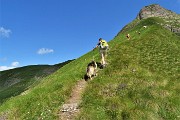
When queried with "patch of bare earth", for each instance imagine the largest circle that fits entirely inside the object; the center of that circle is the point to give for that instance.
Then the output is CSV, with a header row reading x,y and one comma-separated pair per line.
x,y
3,116
70,108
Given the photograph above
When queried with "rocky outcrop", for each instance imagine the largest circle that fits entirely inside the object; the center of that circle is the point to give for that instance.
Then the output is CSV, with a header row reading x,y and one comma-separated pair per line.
x,y
155,10
171,19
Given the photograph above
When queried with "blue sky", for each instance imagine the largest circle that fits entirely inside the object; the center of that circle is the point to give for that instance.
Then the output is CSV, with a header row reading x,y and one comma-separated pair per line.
x,y
52,31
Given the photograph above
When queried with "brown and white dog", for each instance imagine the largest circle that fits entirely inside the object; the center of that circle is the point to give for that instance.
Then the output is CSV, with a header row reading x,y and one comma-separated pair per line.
x,y
91,70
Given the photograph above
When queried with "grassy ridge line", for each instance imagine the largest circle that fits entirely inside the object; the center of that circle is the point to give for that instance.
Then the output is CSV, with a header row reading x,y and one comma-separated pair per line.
x,y
44,100
14,82
23,72
142,79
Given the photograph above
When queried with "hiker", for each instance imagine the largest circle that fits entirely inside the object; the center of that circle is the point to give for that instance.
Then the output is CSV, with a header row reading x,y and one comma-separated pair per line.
x,y
128,36
103,48
144,26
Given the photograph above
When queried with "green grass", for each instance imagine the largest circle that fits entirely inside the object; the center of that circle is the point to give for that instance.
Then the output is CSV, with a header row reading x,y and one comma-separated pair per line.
x,y
141,81
43,101
14,82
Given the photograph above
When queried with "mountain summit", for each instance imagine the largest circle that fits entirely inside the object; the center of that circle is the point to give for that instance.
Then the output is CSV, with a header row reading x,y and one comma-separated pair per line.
x,y
156,10
171,19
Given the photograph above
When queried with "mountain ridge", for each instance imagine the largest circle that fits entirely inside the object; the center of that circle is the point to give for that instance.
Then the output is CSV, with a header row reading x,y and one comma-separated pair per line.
x,y
140,81
169,19
15,81
172,20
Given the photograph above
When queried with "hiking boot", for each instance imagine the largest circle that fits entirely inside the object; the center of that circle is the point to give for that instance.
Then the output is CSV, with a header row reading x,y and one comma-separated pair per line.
x,y
102,66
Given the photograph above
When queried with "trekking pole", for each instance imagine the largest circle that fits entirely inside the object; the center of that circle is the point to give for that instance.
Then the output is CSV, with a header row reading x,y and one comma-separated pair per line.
x,y
93,57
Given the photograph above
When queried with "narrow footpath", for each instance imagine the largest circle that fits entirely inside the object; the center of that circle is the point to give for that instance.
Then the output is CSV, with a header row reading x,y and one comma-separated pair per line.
x,y
70,108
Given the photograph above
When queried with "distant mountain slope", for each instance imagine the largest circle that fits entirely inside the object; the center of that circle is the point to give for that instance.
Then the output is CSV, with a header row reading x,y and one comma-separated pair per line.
x,y
15,81
140,82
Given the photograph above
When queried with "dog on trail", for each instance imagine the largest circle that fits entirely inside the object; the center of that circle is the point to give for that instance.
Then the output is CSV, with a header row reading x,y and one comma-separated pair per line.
x,y
91,70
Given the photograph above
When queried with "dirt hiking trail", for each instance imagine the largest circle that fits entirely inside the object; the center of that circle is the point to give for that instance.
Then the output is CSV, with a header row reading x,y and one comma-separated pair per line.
x,y
70,108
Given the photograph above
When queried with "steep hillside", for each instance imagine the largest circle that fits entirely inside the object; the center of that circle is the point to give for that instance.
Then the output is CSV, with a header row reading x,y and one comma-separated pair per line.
x,y
141,81
45,99
14,82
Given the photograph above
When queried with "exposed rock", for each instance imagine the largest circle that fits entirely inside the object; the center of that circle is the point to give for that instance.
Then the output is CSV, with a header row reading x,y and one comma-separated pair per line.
x,y
155,10
11,81
172,20
69,107
69,111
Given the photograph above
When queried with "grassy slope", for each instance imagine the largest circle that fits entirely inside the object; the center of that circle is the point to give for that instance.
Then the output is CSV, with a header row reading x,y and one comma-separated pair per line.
x,y
140,82
43,101
14,82
142,79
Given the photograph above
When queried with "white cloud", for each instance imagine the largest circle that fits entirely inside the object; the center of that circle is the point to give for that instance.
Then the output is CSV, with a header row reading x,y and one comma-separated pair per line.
x,y
5,32
44,51
13,65
2,68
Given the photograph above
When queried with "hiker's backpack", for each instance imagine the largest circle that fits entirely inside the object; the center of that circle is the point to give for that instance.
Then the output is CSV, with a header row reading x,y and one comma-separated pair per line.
x,y
103,44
